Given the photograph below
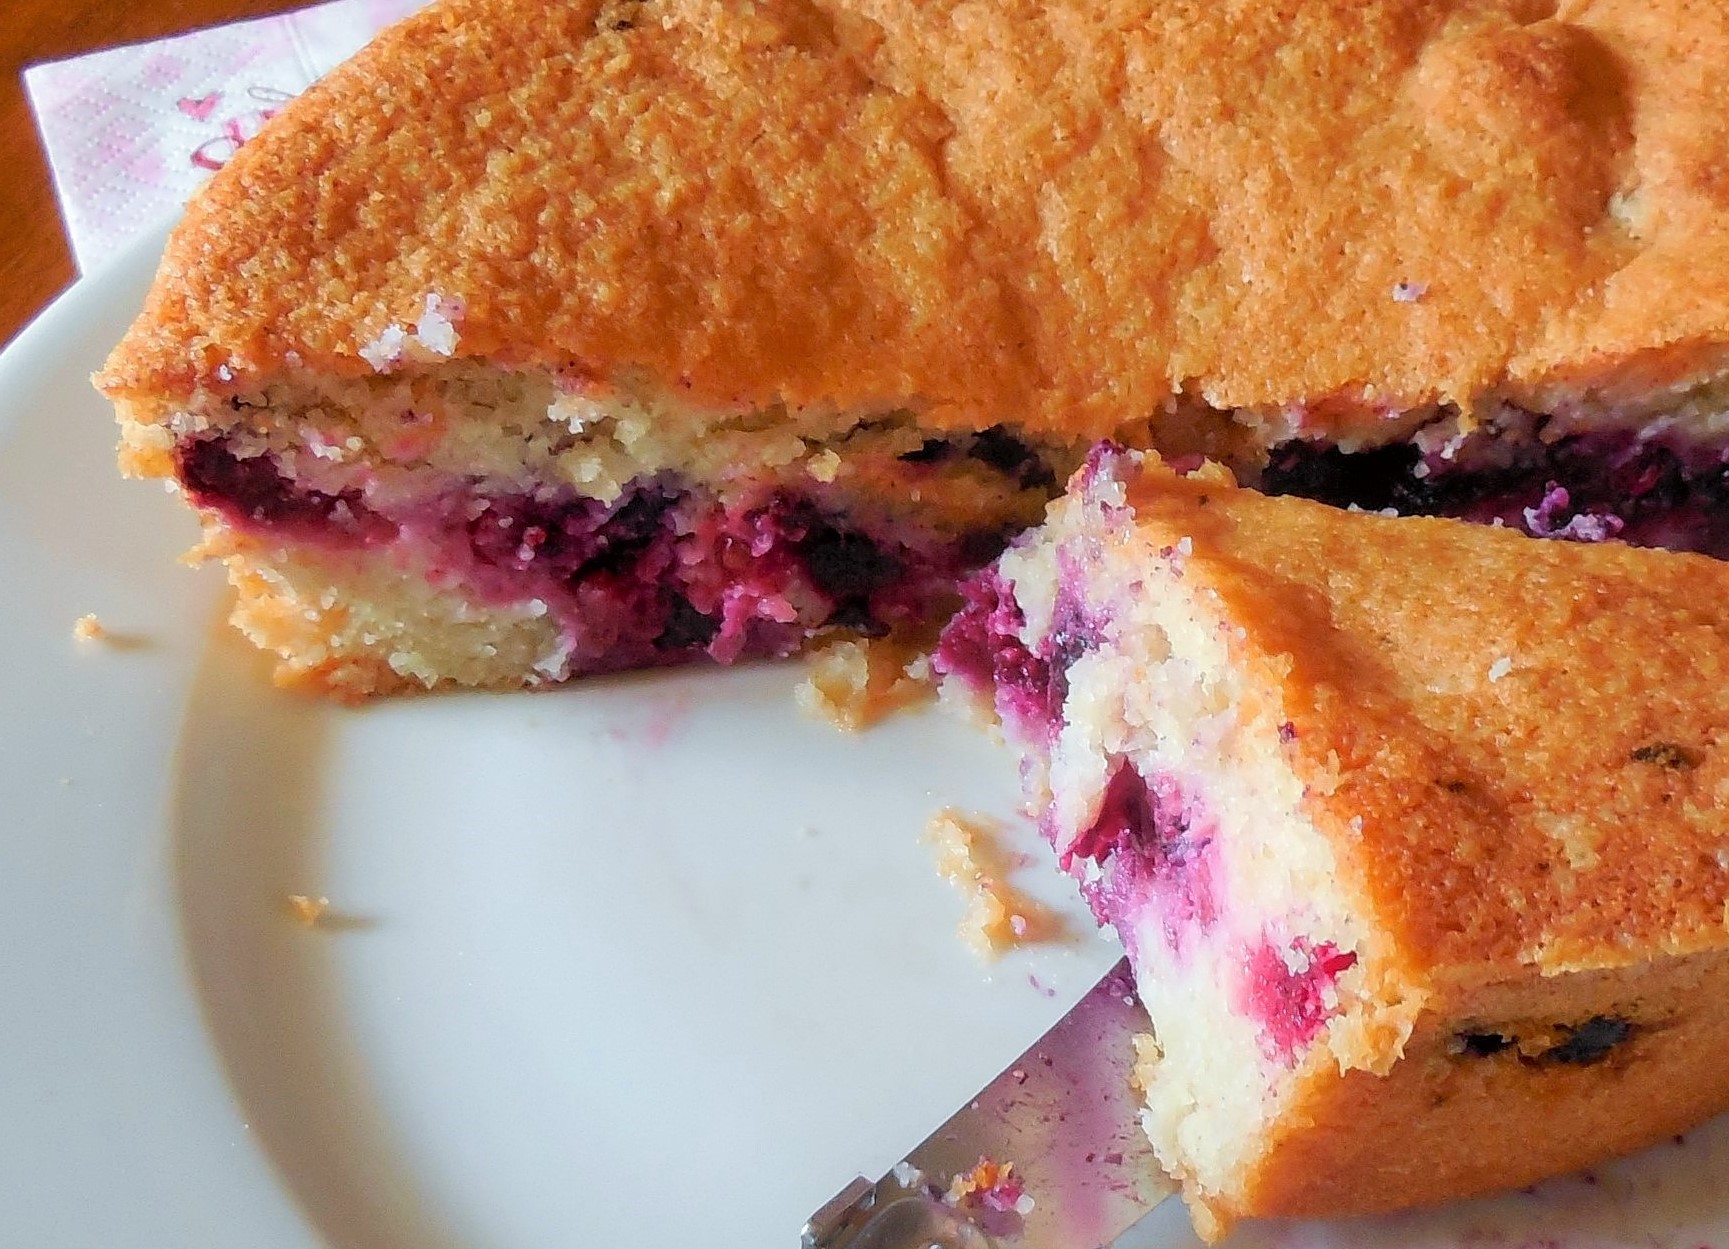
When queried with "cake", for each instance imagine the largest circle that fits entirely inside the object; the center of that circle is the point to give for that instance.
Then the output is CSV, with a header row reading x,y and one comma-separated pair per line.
x,y
557,338
545,339
1414,830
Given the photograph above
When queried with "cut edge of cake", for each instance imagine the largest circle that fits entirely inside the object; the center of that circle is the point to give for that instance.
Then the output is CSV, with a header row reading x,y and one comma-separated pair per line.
x,y
1369,991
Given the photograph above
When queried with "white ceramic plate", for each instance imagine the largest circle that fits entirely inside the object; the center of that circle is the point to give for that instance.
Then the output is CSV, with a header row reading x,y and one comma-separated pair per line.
x,y
650,962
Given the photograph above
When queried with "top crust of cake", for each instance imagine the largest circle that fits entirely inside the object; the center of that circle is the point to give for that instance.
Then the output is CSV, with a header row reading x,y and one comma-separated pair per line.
x,y
1520,745
1058,214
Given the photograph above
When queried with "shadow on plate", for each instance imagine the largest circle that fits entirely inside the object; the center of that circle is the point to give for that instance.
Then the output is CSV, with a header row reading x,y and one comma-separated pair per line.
x,y
249,834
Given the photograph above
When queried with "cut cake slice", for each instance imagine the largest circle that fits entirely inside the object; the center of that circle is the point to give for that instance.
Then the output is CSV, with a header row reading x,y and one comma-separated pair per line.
x,y
547,338
1414,830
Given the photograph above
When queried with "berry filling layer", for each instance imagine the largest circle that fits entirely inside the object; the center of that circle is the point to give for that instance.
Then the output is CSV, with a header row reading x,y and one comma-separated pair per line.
x,y
649,531
1585,487
665,573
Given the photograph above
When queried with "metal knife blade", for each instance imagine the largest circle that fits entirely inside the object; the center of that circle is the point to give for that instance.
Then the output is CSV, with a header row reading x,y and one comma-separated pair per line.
x,y
1063,1114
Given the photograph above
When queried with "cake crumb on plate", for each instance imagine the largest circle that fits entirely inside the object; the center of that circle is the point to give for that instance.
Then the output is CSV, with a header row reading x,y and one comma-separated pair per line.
x,y
308,911
854,683
998,916
89,628
315,911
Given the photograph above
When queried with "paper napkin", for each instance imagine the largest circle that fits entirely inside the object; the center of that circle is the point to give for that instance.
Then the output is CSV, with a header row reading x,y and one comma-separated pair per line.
x,y
130,132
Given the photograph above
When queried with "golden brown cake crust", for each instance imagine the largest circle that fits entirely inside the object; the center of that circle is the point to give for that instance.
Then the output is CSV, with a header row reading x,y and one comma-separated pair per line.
x,y
1520,746
1054,213
1441,1126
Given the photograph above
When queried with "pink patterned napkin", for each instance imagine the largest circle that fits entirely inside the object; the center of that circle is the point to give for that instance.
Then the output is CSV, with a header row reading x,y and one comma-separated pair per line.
x,y
130,132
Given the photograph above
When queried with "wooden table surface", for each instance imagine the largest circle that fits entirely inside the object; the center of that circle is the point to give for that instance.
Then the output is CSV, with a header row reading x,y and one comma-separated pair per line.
x,y
35,263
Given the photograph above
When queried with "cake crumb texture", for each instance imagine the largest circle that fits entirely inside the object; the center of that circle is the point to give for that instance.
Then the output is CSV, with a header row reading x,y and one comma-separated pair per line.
x,y
1066,212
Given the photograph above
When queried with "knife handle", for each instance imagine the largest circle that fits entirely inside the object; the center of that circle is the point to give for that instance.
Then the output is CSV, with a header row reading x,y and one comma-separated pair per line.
x,y
853,1220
